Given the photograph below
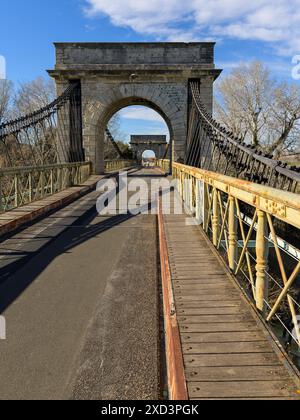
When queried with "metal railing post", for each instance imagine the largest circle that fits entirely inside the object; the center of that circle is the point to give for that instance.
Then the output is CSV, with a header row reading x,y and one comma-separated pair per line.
x,y
16,182
180,183
60,175
30,187
42,184
1,196
51,182
233,235
199,201
215,218
262,254
70,176
206,210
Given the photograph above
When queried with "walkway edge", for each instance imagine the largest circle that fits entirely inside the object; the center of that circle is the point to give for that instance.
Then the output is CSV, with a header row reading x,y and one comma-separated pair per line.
x,y
41,208
175,365
33,211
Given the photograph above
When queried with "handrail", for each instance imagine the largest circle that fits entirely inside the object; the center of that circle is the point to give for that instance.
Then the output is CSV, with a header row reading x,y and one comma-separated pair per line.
x,y
26,169
21,186
118,164
280,205
245,222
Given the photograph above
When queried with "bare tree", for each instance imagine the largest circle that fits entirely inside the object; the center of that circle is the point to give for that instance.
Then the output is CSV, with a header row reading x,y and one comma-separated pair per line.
x,y
30,97
34,95
114,127
5,100
284,119
260,110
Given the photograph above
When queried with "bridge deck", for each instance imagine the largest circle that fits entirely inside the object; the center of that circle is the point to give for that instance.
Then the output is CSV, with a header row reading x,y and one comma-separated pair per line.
x,y
70,288
228,353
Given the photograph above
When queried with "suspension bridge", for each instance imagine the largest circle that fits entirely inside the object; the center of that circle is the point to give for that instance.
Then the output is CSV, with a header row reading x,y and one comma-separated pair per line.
x,y
82,292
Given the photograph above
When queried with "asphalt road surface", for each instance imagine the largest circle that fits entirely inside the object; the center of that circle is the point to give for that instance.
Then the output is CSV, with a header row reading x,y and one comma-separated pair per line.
x,y
81,308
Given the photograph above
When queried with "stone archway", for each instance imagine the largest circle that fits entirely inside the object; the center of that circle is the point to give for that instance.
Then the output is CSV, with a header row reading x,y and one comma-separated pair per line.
x,y
94,133
114,76
156,143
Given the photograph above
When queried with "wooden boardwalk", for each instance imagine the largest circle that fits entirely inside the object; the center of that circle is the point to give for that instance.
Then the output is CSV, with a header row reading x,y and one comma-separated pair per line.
x,y
227,351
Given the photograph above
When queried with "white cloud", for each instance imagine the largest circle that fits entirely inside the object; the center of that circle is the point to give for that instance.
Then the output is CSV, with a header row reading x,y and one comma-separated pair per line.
x,y
140,113
276,22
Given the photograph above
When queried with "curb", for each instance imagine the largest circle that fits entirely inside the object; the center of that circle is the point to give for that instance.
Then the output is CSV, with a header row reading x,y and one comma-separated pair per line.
x,y
175,364
31,215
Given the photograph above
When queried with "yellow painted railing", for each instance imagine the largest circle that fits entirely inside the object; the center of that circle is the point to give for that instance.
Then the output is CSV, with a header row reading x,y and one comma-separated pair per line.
x,y
117,165
164,165
21,186
257,231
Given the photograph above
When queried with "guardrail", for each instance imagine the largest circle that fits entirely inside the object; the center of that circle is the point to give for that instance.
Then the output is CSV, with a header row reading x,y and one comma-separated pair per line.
x,y
256,230
164,164
21,186
116,165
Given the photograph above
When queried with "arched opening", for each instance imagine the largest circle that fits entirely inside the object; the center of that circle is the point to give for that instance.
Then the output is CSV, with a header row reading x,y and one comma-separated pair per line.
x,y
133,117
149,159
141,133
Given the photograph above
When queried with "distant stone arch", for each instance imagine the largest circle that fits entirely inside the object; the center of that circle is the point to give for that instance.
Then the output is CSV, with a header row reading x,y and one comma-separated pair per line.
x,y
96,122
156,143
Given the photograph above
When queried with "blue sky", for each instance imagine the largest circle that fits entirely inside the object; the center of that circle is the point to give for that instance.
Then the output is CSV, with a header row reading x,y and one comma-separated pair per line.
x,y
261,29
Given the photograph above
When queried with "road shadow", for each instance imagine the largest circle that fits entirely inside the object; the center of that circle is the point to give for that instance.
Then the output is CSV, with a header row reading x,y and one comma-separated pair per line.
x,y
16,277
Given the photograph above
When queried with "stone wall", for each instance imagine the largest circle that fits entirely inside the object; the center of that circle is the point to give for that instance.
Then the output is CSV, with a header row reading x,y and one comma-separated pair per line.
x,y
68,54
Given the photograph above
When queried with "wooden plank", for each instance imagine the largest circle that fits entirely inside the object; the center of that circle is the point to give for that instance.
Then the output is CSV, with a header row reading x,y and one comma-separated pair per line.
x,y
224,337
242,389
237,373
214,319
199,270
196,265
219,327
228,348
225,360
189,252
182,288
180,240
178,244
181,258
231,310
226,303
187,256
195,275
183,248
191,269
199,282
214,295
208,278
